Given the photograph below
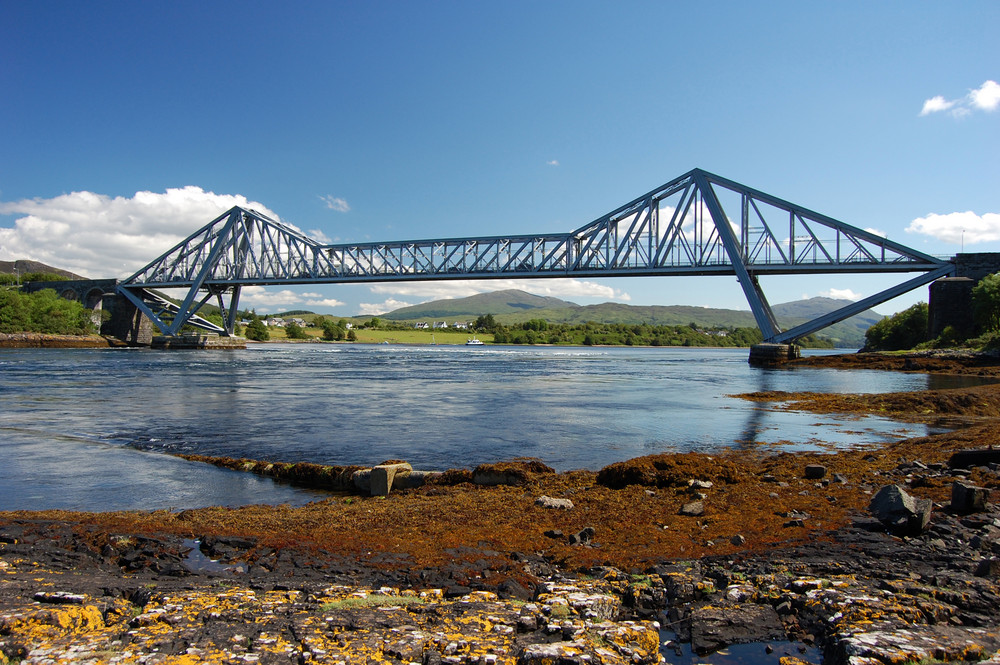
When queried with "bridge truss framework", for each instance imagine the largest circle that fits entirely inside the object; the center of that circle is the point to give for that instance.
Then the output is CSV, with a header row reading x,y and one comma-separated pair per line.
x,y
696,224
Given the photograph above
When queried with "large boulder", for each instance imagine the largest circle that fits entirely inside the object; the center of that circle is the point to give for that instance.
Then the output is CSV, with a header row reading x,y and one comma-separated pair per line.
x,y
966,499
903,514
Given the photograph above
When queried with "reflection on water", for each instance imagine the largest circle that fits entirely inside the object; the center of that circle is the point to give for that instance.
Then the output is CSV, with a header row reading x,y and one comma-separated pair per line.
x,y
77,426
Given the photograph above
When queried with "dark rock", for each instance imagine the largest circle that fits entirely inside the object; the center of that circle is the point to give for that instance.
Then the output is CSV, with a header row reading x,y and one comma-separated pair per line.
x,y
967,498
583,536
738,540
815,471
514,589
965,459
457,591
900,512
713,628
988,568
554,533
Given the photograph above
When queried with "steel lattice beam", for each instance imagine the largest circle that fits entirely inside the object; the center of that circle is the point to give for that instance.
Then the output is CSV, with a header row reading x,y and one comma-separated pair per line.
x,y
697,224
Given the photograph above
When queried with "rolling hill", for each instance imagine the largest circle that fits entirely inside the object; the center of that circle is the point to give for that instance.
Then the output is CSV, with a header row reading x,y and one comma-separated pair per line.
x,y
24,266
513,306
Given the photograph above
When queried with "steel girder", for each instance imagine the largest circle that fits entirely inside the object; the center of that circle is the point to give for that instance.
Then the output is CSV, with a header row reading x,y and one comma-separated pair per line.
x,y
697,224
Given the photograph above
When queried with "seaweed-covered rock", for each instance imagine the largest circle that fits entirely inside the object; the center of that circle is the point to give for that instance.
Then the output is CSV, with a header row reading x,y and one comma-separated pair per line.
x,y
669,470
515,472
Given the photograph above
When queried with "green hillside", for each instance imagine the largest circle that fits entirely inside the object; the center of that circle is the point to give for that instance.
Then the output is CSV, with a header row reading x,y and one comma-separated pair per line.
x,y
496,303
513,306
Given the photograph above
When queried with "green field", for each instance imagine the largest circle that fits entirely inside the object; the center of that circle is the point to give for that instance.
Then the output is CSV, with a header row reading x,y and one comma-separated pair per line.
x,y
394,336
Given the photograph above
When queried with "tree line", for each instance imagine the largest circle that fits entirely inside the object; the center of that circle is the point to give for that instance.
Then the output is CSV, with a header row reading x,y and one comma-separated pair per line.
x,y
43,312
909,329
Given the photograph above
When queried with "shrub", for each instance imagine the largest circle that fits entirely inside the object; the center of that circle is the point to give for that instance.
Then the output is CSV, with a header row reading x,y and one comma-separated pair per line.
x,y
903,330
295,331
256,330
986,303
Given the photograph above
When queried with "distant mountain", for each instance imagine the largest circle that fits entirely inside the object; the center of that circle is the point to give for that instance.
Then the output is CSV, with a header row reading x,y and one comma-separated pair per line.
x,y
22,266
512,306
495,303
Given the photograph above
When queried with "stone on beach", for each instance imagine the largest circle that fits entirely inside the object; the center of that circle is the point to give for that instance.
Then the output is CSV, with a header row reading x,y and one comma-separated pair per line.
x,y
902,513
966,499
693,509
550,502
815,471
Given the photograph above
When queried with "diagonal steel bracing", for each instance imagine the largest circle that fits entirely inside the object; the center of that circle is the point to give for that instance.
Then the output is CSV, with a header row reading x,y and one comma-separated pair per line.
x,y
697,224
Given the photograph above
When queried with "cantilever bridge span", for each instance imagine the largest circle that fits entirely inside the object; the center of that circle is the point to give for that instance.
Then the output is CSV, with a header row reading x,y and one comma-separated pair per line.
x,y
696,224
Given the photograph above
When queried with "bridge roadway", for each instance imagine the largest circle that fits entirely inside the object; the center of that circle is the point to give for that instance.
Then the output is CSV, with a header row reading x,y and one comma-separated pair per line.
x,y
696,224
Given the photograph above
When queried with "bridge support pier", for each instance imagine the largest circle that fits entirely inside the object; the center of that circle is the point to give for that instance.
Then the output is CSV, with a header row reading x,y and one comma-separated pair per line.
x,y
769,355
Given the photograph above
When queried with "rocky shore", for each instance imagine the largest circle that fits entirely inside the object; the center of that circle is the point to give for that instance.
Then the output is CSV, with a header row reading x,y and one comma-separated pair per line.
x,y
45,341
874,555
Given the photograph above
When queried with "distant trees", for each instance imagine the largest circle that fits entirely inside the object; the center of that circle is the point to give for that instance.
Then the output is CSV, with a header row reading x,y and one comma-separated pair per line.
x,y
295,331
538,331
256,330
44,312
334,332
485,323
903,330
986,303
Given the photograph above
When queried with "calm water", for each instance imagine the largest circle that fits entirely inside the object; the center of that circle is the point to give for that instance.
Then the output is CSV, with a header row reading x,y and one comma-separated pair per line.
x,y
88,429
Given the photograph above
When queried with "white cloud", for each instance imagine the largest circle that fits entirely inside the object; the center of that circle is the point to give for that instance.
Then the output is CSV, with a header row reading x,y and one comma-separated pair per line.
x,y
553,162
959,227
95,235
335,203
984,98
878,232
319,236
367,308
936,104
259,296
556,287
840,294
325,302
253,296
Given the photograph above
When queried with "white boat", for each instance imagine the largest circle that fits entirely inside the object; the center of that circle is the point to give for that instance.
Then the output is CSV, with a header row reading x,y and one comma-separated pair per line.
x,y
474,342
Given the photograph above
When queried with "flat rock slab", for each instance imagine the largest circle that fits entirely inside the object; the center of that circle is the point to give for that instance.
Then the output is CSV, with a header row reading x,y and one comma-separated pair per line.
x,y
715,627
383,476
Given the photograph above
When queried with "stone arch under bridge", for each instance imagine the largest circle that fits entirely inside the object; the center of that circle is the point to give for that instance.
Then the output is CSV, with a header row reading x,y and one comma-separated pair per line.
x,y
113,315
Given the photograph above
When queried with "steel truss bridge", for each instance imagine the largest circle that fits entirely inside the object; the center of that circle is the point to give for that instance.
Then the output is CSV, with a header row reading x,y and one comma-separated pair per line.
x,y
696,224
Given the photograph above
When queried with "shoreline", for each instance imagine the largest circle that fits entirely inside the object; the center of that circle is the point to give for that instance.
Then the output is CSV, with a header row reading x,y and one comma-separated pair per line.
x,y
811,566
28,340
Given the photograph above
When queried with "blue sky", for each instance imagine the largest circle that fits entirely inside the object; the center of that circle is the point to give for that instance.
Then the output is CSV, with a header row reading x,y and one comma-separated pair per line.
x,y
124,126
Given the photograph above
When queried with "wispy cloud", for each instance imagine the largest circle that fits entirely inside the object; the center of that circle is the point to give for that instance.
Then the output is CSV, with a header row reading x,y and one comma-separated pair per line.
x,y
959,227
335,203
553,162
325,302
557,288
984,98
840,294
96,235
369,308
318,235
259,296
